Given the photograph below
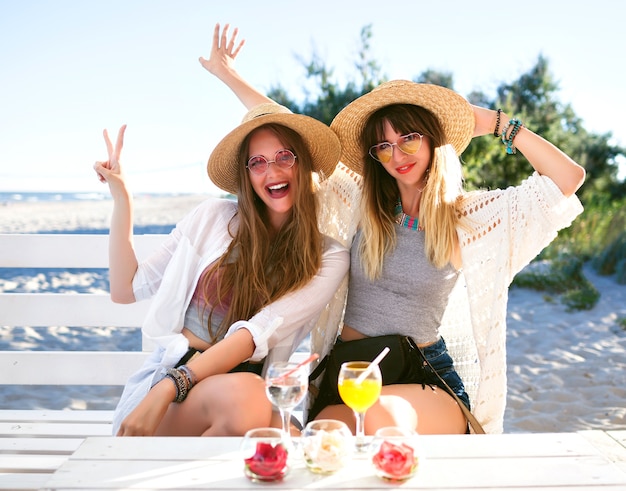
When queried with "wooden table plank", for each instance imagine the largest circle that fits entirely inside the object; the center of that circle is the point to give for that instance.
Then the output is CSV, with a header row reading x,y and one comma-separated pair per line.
x,y
490,462
439,446
23,481
31,463
470,473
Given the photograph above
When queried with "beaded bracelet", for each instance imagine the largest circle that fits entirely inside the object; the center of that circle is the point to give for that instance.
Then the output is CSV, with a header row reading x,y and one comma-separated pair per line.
x,y
191,377
517,124
496,131
180,381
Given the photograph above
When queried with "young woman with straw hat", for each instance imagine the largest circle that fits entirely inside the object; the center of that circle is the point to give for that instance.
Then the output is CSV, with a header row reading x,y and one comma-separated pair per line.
x,y
235,285
431,263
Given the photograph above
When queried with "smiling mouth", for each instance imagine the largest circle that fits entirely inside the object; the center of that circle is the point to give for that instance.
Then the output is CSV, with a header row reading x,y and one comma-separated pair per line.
x,y
278,190
404,168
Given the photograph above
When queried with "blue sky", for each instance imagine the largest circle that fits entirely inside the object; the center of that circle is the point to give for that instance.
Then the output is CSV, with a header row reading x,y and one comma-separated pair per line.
x,y
70,68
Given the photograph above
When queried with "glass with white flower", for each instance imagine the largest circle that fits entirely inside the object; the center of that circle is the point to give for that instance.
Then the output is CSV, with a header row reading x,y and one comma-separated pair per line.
x,y
286,385
327,445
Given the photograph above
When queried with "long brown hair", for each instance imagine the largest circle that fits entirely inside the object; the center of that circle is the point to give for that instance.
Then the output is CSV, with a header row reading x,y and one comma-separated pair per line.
x,y
438,207
261,265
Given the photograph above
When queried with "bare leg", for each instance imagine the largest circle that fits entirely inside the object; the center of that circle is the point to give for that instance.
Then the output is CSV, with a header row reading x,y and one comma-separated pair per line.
x,y
222,405
430,411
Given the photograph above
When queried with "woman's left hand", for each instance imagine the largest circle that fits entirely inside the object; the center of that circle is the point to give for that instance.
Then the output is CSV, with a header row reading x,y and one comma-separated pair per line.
x,y
223,51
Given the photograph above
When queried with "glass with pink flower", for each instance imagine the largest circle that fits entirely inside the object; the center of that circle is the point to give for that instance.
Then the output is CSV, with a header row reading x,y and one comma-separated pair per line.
x,y
395,453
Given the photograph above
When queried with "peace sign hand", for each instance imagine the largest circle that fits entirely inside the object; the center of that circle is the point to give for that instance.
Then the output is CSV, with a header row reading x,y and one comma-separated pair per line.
x,y
110,171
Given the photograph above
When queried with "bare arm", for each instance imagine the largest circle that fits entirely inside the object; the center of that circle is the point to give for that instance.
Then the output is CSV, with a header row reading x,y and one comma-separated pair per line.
x,y
219,358
221,64
546,159
122,259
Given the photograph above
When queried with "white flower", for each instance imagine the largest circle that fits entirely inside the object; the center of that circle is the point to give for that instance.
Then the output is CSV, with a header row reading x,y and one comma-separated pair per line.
x,y
326,451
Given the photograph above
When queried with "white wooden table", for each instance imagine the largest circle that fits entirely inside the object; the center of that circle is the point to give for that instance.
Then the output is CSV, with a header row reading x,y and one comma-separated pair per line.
x,y
593,460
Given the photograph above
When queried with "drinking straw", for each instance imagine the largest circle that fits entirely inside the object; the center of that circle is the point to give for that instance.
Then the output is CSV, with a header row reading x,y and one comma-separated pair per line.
x,y
310,359
372,365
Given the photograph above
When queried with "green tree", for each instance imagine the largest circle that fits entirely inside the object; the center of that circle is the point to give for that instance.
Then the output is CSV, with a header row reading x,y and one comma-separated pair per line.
x,y
531,98
330,98
598,233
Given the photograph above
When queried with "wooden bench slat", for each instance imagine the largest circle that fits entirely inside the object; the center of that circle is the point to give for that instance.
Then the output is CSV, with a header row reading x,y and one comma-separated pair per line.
x,y
69,367
55,416
33,445
66,250
56,430
69,309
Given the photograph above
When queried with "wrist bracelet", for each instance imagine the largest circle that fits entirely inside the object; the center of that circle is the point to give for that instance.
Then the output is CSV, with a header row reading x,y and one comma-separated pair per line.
x,y
496,131
508,141
191,377
180,382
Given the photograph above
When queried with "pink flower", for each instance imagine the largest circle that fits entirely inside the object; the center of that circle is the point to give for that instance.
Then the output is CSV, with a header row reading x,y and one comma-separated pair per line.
x,y
269,461
395,461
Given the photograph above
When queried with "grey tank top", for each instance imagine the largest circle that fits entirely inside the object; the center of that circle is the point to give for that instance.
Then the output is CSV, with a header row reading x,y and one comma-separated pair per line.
x,y
410,296
196,321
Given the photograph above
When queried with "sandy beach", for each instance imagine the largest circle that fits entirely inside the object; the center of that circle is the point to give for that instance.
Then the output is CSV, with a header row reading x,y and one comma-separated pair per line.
x,y
566,370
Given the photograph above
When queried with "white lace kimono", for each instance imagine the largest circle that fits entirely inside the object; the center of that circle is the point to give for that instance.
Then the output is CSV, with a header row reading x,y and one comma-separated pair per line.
x,y
507,229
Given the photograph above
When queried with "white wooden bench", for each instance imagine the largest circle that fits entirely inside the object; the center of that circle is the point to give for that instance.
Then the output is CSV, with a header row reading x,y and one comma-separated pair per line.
x,y
34,443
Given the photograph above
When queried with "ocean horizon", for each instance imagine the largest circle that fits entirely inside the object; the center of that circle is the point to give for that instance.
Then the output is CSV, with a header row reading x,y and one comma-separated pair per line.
x,y
7,197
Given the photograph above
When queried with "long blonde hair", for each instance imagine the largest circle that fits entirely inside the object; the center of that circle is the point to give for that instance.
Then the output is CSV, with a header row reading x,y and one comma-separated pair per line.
x,y
438,206
260,266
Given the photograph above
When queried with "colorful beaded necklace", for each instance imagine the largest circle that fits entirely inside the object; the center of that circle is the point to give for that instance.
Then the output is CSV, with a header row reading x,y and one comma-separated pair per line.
x,y
405,220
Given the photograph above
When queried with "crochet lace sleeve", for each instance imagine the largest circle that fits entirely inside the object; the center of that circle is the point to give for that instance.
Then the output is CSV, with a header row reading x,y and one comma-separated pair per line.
x,y
524,218
338,218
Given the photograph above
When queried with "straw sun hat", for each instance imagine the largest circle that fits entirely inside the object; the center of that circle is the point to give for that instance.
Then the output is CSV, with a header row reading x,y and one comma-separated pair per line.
x,y
453,112
320,140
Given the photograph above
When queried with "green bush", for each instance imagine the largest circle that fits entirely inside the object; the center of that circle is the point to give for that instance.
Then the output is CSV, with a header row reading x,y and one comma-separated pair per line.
x,y
563,276
598,235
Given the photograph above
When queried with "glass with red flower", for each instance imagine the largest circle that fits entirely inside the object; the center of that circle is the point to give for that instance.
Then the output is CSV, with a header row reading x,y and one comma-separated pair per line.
x,y
264,453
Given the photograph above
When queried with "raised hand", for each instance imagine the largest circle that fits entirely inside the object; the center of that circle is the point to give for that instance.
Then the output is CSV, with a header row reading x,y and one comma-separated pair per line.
x,y
221,64
223,52
110,170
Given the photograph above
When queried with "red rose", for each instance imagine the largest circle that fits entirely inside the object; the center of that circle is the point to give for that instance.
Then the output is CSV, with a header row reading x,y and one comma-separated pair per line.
x,y
268,461
397,461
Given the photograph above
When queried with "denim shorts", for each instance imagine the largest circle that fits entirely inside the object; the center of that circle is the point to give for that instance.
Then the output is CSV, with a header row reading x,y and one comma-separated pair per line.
x,y
438,356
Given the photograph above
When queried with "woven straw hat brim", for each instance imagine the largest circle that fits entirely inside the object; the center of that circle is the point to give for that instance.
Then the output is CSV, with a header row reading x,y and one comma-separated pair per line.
x,y
453,112
321,141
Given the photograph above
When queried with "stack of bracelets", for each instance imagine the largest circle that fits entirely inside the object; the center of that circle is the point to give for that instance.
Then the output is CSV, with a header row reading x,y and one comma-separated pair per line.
x,y
184,379
514,125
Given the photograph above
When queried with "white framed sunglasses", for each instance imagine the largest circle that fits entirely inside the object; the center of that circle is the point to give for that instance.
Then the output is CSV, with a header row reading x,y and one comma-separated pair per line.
x,y
408,144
